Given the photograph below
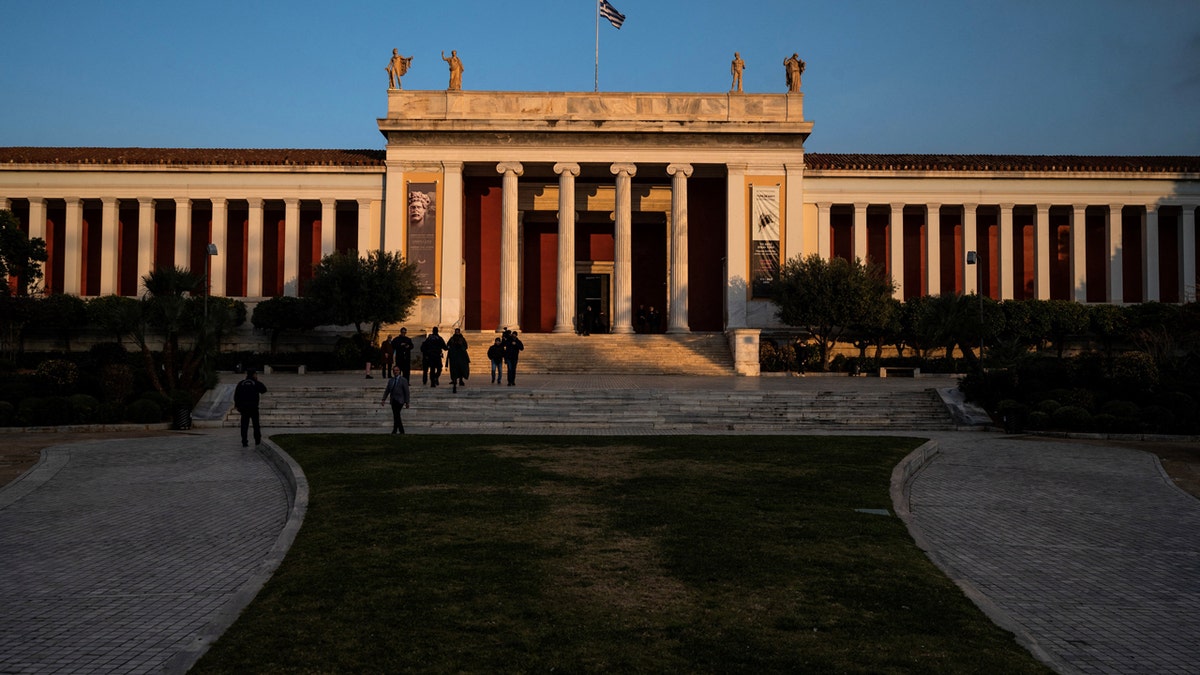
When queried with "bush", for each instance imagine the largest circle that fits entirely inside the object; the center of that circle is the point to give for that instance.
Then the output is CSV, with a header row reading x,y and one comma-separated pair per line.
x,y
8,414
117,382
1039,419
83,408
110,412
144,411
1158,419
1048,406
1123,409
1135,371
105,353
1072,418
62,373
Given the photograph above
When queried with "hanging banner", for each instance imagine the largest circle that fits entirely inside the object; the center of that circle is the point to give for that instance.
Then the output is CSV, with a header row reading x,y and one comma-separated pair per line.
x,y
764,239
422,233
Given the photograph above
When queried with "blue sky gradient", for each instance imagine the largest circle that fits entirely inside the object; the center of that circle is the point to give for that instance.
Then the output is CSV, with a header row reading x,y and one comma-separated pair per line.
x,y
1094,77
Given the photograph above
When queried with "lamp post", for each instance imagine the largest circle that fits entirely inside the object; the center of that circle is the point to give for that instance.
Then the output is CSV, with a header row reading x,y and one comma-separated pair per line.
x,y
973,259
212,250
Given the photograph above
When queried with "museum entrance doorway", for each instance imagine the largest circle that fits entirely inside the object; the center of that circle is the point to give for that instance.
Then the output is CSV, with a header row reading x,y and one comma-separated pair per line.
x,y
593,288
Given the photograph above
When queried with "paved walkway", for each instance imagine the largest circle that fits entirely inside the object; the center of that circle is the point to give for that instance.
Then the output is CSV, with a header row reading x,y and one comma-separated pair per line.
x,y
131,555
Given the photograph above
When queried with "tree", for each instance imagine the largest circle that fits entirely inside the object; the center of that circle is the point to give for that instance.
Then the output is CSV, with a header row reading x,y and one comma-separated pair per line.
x,y
166,309
277,315
827,296
1067,319
380,288
60,315
116,315
21,258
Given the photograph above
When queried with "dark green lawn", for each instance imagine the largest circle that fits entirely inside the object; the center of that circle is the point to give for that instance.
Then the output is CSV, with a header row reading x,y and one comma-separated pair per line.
x,y
602,554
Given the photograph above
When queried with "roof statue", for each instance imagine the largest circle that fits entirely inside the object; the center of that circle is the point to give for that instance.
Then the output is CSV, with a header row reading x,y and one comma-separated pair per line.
x,y
456,70
397,67
794,67
736,69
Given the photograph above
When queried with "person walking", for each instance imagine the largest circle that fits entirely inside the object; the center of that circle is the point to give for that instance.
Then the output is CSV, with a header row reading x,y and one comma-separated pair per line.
x,y
387,349
458,360
397,393
495,354
431,357
402,347
245,399
512,352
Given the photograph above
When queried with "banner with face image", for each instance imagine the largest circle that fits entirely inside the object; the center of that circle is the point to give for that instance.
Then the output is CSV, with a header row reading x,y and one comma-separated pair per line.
x,y
422,232
764,239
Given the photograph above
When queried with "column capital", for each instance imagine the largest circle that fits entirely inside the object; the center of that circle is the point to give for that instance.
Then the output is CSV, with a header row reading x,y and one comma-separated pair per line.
x,y
1006,207
255,202
824,206
291,201
967,206
685,169
183,201
1152,207
452,166
514,167
897,206
364,203
1043,207
329,201
861,206
566,167
627,168
108,200
933,206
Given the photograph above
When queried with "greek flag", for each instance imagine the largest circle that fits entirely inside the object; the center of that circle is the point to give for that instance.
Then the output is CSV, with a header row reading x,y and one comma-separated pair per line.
x,y
609,12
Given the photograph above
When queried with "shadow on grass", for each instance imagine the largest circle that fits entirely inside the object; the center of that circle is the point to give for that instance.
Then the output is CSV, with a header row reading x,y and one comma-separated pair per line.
x,y
646,554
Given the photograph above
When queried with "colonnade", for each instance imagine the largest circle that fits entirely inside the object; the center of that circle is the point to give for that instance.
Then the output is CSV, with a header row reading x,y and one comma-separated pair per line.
x,y
1043,245
113,256
622,300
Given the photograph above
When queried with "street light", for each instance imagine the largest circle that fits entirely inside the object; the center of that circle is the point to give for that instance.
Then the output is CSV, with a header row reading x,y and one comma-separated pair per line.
x,y
973,259
212,250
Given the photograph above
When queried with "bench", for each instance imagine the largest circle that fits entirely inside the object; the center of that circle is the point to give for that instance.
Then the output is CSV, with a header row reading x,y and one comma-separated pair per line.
x,y
899,371
298,367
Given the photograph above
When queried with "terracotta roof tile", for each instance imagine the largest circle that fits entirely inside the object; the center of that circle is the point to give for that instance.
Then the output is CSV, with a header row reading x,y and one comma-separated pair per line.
x,y
1002,163
191,156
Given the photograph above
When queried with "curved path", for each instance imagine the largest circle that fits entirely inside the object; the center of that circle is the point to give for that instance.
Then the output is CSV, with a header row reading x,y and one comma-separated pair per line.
x,y
130,556
1089,553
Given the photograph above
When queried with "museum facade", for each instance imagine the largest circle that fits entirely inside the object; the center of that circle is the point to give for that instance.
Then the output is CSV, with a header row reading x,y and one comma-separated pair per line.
x,y
531,210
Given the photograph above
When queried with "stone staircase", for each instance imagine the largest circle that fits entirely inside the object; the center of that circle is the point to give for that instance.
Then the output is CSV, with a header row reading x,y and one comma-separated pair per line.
x,y
636,354
483,407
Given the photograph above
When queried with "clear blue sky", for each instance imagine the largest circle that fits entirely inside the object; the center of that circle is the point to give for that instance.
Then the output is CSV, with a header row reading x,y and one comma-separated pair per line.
x,y
923,76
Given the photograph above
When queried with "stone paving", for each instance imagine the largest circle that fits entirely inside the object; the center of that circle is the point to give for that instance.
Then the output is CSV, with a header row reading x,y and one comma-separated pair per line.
x,y
1090,554
129,556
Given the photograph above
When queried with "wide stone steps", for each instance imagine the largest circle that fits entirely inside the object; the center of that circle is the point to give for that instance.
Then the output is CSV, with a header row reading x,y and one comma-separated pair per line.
x,y
485,406
656,354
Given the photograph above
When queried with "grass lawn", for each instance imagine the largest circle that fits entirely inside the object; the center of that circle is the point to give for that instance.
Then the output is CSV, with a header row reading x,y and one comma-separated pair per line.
x,y
602,554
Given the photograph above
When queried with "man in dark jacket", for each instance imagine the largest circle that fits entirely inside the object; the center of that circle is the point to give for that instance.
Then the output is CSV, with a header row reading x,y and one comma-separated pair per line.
x,y
397,394
245,399
431,357
512,351
402,346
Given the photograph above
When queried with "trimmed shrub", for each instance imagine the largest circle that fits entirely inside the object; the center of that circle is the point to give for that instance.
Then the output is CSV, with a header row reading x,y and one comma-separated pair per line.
x,y
62,373
1123,409
1158,419
1072,418
8,414
161,401
83,408
144,411
1048,406
1135,371
1039,420
110,412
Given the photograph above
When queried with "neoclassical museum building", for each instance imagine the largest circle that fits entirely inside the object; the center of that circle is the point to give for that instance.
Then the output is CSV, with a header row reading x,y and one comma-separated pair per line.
x,y
524,208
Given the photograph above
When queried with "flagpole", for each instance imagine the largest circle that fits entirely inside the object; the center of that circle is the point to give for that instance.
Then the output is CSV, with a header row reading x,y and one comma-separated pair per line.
x,y
596,86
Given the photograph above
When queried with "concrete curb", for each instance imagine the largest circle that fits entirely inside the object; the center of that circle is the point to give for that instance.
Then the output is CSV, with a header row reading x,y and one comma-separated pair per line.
x,y
50,461
296,487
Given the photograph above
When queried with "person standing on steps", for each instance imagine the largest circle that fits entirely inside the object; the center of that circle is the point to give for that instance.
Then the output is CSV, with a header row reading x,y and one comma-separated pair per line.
x,y
245,399
402,346
431,357
458,360
495,354
387,349
397,393
512,352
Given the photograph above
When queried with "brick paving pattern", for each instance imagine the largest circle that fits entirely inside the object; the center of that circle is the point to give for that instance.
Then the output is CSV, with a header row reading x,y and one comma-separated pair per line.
x,y
1089,550
121,552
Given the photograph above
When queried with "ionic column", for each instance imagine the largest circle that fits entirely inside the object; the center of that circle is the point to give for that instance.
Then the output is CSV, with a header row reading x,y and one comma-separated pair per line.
x,y
509,263
145,253
1004,266
364,229
1187,254
860,232
110,248
565,305
933,249
678,298
254,250
453,281
1079,252
1041,252
824,248
970,241
1116,263
183,233
219,235
328,226
896,250
291,246
73,248
1150,262
623,252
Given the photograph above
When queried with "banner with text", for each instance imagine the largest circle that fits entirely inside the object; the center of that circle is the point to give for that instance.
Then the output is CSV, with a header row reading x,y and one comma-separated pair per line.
x,y
764,255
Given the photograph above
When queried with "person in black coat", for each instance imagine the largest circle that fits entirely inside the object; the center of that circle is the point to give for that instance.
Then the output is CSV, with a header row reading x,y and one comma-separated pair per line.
x,y
245,399
512,352
402,346
431,358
